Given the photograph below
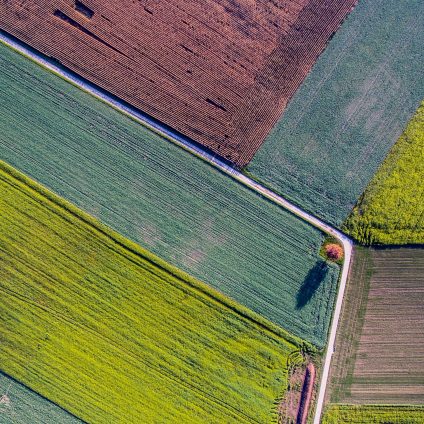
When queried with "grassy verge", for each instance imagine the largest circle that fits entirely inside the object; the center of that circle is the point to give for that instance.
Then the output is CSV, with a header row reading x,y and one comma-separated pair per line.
x,y
373,414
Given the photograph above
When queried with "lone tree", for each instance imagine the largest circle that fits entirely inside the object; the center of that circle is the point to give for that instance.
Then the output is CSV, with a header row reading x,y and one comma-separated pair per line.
x,y
334,251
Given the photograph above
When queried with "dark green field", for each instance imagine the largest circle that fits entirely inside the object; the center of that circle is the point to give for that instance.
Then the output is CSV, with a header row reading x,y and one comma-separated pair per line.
x,y
20,405
349,111
164,198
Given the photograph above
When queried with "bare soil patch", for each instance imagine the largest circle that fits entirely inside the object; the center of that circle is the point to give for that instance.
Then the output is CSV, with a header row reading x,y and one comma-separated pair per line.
x,y
379,354
289,406
307,389
295,406
220,72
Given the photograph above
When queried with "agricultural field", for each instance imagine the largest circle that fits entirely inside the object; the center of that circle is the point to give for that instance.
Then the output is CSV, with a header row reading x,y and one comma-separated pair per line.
x,y
379,355
219,71
375,414
391,211
112,333
19,405
172,203
349,111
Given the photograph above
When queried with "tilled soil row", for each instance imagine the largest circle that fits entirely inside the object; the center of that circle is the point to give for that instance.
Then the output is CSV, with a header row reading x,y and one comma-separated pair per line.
x,y
220,72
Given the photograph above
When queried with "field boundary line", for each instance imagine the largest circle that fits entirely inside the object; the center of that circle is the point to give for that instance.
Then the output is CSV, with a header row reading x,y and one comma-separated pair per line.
x,y
135,252
222,166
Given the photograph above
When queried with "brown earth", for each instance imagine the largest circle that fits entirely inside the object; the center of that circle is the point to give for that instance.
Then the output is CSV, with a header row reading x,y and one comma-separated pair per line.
x,y
379,355
220,72
289,406
305,400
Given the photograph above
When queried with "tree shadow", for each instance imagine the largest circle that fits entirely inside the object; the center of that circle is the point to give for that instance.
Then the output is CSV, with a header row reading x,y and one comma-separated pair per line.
x,y
313,280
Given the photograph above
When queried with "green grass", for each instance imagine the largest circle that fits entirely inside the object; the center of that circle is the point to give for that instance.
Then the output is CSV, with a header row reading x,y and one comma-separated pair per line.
x,y
350,110
164,198
112,333
25,406
391,211
373,414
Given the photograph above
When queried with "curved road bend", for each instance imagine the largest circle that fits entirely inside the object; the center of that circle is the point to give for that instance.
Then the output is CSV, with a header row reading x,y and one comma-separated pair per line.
x,y
222,166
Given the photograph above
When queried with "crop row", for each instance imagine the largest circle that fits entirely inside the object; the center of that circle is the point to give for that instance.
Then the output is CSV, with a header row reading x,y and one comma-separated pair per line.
x,y
373,414
217,71
112,333
379,356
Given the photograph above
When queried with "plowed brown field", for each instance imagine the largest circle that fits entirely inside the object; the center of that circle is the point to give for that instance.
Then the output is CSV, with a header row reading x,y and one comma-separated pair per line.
x,y
221,72
379,355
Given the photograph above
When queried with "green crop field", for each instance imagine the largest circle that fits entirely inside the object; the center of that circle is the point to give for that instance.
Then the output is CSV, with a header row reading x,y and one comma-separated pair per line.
x,y
350,110
164,198
373,414
20,405
391,211
112,333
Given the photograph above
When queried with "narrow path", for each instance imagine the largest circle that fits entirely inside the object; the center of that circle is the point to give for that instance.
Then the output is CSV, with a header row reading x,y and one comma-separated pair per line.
x,y
222,166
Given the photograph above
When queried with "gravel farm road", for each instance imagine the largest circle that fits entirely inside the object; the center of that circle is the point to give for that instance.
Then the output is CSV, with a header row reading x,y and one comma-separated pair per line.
x,y
223,167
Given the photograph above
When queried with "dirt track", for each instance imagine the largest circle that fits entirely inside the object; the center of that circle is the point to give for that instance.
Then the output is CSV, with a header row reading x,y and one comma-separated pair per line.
x,y
221,74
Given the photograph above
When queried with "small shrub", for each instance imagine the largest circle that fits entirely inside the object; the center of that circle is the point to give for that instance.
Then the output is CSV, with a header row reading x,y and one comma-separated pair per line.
x,y
334,251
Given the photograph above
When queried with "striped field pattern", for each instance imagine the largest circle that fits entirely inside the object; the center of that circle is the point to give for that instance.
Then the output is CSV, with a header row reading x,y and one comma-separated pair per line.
x,y
112,333
169,201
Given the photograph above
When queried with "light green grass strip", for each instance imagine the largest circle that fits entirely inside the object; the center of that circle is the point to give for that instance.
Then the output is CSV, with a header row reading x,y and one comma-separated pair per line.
x,y
391,211
112,333
373,414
